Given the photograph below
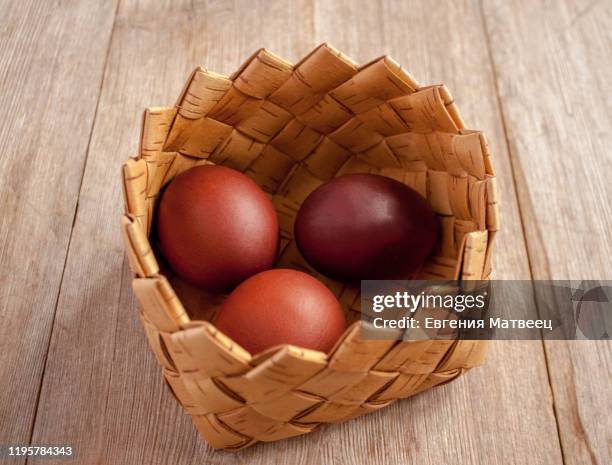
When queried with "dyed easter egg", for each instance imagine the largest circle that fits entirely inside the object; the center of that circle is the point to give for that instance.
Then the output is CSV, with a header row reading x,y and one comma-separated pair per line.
x,y
216,227
365,226
282,306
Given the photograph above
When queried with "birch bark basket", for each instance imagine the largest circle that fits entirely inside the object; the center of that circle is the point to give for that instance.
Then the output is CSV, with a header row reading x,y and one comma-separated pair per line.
x,y
291,128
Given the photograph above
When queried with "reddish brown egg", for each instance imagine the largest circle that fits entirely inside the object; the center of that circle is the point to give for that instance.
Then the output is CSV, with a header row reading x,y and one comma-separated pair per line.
x,y
282,307
216,227
365,226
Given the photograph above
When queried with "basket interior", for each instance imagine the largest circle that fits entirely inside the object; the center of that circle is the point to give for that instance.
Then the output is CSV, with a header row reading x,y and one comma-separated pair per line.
x,y
293,127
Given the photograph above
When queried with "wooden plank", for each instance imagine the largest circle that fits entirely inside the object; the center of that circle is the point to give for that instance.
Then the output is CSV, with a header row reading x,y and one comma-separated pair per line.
x,y
553,65
51,65
103,391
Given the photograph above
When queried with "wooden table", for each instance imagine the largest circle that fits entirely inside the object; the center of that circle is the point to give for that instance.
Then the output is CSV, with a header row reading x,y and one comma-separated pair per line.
x,y
74,364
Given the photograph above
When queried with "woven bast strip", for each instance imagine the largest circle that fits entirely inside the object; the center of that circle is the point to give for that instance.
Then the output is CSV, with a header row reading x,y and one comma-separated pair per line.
x,y
292,128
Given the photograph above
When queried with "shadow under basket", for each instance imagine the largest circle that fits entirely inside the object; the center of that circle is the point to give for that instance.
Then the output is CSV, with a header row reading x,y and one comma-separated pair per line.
x,y
291,128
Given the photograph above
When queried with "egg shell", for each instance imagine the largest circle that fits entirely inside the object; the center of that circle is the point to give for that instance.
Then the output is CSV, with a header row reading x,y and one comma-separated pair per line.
x,y
366,226
216,227
282,306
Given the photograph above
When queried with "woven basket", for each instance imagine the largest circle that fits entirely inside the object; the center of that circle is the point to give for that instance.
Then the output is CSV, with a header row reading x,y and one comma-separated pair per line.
x,y
292,128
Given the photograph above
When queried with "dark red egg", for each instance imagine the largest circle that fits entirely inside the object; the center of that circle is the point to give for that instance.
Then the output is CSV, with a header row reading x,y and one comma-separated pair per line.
x,y
365,226
216,227
282,306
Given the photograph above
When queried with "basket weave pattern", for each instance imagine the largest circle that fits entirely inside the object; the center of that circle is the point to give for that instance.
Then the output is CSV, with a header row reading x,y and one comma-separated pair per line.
x,y
292,128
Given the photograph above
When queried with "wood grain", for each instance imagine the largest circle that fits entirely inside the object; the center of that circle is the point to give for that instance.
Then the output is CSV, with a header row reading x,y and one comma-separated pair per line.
x,y
553,64
108,399
531,74
48,100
